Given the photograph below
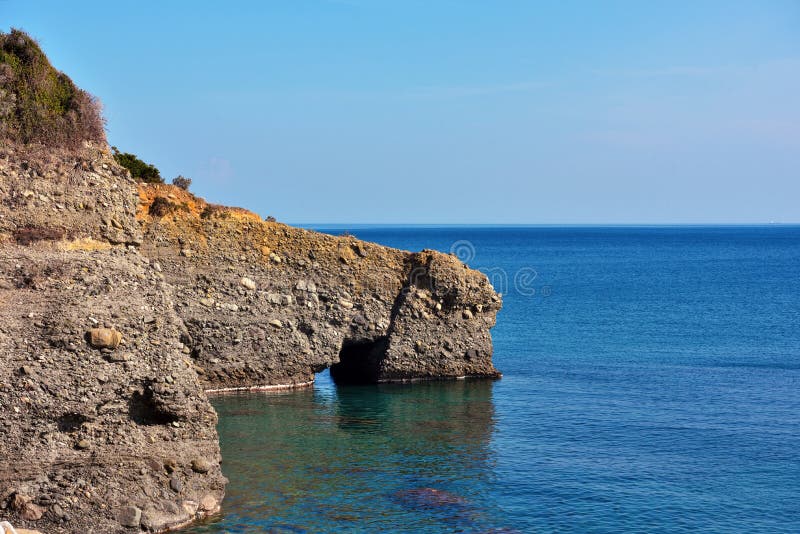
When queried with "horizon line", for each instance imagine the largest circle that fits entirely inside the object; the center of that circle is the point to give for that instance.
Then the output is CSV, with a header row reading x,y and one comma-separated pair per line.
x,y
523,225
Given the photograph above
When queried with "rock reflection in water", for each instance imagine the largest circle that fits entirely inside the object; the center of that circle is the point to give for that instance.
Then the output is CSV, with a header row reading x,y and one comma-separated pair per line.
x,y
390,458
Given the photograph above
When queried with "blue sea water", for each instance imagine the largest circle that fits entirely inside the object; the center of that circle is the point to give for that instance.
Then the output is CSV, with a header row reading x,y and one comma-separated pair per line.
x,y
651,384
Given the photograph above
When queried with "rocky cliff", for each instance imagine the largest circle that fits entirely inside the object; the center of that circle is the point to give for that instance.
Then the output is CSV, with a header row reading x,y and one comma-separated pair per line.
x,y
268,304
104,425
122,304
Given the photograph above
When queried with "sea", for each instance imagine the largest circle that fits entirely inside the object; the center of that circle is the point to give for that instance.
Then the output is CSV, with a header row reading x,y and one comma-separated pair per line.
x,y
651,383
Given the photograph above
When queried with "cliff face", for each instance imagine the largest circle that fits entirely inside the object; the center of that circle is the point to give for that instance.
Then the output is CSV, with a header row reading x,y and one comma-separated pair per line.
x,y
269,304
54,195
97,434
121,304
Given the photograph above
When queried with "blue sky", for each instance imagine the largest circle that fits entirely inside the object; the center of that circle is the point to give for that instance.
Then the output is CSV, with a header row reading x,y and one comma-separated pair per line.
x,y
450,111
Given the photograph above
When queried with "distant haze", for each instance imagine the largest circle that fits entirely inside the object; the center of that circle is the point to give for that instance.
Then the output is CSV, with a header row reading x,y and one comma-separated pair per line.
x,y
450,111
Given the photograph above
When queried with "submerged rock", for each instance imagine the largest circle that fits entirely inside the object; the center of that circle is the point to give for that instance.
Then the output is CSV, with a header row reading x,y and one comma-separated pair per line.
x,y
429,498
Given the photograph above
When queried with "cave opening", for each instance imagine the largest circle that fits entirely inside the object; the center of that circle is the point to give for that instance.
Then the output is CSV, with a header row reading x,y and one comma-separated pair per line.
x,y
144,410
358,362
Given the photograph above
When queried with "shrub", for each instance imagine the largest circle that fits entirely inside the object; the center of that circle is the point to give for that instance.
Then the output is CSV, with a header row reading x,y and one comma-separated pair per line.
x,y
215,211
182,182
162,207
39,104
141,171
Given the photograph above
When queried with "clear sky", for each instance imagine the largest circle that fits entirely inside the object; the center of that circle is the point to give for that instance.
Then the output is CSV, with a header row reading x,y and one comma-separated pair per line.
x,y
450,111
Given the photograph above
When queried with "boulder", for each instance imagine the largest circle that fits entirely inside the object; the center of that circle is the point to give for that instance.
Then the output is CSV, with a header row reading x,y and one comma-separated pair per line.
x,y
31,512
201,465
104,338
208,503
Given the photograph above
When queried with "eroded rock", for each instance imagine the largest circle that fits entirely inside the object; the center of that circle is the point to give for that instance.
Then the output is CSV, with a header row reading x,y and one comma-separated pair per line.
x,y
311,306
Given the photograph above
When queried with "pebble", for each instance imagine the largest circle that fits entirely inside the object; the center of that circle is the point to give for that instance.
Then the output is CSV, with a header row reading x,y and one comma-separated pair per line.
x,y
119,357
276,323
247,283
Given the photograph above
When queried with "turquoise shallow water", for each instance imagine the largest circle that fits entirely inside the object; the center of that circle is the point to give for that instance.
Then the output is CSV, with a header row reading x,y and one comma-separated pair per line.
x,y
651,384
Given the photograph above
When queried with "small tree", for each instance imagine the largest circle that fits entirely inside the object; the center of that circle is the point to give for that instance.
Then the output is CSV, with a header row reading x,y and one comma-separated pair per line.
x,y
182,182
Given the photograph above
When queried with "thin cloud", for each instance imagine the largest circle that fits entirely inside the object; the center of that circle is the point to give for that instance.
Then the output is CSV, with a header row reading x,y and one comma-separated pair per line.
x,y
677,71
472,90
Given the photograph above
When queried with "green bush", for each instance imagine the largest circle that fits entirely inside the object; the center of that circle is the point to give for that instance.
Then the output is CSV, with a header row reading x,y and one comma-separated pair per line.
x,y
39,104
141,171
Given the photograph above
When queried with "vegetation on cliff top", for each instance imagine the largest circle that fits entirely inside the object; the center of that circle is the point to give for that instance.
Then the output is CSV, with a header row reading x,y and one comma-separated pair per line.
x,y
39,104
182,182
141,171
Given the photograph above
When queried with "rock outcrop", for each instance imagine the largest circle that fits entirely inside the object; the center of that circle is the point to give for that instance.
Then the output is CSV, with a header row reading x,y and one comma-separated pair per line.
x,y
268,304
122,304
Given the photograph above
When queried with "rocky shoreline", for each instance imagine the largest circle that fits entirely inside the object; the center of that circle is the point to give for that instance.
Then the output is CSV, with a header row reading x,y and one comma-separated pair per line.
x,y
123,306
